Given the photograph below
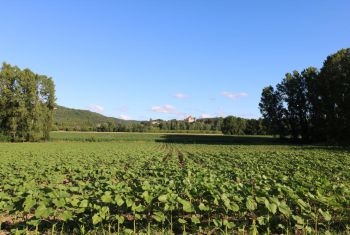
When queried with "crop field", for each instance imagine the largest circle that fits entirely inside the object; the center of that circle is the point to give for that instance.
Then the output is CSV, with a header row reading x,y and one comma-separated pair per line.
x,y
172,184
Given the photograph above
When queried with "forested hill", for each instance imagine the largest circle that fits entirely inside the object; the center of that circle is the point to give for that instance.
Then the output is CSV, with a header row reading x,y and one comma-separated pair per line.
x,y
83,120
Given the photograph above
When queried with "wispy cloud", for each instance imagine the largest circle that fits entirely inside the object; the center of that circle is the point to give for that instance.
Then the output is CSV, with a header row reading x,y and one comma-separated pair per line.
x,y
181,96
206,115
124,117
234,96
96,108
168,109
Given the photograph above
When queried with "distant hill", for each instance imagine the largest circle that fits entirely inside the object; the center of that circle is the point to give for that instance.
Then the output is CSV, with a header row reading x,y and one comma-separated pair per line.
x,y
68,119
77,119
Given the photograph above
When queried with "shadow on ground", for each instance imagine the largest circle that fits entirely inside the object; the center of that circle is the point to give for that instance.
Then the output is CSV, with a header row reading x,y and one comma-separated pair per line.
x,y
225,140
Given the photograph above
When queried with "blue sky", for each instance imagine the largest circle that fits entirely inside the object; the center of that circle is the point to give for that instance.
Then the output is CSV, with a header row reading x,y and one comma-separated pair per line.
x,y
168,59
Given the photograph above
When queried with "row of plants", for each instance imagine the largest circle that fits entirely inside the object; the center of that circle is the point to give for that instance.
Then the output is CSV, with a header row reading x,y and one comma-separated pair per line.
x,y
147,187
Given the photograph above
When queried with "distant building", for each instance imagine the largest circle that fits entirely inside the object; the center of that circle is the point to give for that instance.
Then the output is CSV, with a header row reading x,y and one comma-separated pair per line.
x,y
190,119
156,122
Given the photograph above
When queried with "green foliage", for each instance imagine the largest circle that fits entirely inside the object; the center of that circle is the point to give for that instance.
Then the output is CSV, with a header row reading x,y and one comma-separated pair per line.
x,y
138,183
66,119
233,126
84,120
334,92
312,105
273,112
27,102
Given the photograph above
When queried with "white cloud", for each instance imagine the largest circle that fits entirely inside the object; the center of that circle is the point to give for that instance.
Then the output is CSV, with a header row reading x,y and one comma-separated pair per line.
x,y
234,96
124,117
167,109
206,115
96,108
164,109
181,96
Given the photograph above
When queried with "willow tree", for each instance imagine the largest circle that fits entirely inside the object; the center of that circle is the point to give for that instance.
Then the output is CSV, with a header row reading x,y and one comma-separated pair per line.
x,y
26,104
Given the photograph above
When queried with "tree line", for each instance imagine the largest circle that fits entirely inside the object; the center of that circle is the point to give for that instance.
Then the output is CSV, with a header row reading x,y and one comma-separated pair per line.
x,y
311,105
27,101
229,125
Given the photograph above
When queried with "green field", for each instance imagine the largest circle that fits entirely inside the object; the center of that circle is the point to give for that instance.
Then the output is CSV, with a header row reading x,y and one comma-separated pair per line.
x,y
94,183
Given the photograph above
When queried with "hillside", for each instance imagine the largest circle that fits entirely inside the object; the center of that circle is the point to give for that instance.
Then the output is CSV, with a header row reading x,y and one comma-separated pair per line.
x,y
83,120
77,119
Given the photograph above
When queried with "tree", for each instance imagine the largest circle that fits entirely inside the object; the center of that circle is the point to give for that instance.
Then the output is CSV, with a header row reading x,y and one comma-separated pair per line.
x,y
27,101
273,112
233,126
254,127
9,100
294,92
313,107
47,98
311,104
334,95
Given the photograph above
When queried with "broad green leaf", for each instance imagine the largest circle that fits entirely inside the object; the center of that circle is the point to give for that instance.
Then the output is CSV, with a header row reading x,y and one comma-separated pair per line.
x,y
138,208
275,200
229,225
261,220
187,205
129,202
96,219
120,219
148,198
66,215
325,215
234,207
251,204
137,216
195,219
272,207
74,202
104,212
119,200
33,222
29,203
128,231
42,211
107,198
218,223
298,219
59,202
303,204
284,209
182,221
261,200
202,207
163,198
84,204
159,216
